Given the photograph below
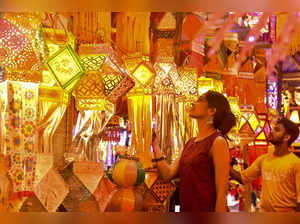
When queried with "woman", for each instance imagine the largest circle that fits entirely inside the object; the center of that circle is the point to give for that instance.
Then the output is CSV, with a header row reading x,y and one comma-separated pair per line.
x,y
203,165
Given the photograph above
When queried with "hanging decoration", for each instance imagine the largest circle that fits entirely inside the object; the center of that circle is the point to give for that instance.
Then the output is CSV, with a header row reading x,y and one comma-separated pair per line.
x,y
166,117
133,32
293,44
263,131
53,102
234,132
66,68
94,113
140,107
92,27
19,135
16,51
249,123
280,47
186,89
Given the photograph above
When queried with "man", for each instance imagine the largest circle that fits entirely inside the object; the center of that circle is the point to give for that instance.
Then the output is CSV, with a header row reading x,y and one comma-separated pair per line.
x,y
280,171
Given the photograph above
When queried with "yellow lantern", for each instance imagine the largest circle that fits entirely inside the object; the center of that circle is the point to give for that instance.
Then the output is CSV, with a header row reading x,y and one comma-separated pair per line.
x,y
234,106
186,89
101,57
65,67
140,107
166,114
249,123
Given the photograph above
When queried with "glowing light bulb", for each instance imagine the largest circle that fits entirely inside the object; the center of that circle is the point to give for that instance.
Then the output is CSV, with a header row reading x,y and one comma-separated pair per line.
x,y
251,39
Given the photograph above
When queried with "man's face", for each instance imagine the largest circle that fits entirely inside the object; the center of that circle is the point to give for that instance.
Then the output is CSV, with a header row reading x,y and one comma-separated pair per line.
x,y
278,135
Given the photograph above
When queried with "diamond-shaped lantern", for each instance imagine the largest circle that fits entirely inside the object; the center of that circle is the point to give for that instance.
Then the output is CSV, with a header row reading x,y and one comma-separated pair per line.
x,y
102,58
249,122
65,67
141,71
187,83
166,78
140,107
92,56
263,131
89,93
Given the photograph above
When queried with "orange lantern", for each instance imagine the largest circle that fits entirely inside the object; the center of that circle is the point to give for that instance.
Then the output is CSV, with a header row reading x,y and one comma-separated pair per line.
x,y
125,200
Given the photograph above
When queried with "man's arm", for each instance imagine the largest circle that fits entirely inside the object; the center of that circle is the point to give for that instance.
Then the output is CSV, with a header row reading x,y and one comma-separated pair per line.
x,y
250,174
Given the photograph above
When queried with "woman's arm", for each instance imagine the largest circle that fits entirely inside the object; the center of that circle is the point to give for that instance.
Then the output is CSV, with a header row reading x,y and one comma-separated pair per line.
x,y
220,155
167,171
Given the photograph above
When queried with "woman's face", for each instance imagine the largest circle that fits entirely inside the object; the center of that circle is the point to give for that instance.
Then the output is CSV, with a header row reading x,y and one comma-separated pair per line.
x,y
200,108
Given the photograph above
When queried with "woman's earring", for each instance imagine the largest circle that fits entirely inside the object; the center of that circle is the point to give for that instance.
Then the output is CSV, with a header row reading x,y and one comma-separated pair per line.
x,y
209,120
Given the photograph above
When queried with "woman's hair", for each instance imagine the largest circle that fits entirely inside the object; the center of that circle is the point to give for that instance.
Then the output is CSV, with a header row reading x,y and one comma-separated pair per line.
x,y
223,119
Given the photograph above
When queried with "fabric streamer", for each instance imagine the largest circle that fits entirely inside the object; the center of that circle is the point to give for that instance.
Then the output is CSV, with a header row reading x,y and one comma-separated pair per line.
x,y
19,135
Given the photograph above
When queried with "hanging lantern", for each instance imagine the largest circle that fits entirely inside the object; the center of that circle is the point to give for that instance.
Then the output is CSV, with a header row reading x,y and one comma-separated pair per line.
x,y
93,56
16,51
65,67
186,89
249,122
128,172
140,107
94,113
166,116
101,57
263,131
234,106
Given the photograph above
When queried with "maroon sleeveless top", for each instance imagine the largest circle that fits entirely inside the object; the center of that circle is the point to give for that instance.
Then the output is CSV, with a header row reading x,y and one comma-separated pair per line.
x,y
197,176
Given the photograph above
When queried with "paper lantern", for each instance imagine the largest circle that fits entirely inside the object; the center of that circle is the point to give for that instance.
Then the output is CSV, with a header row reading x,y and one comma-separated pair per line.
x,y
93,56
128,172
125,200
140,107
263,131
140,69
102,58
234,106
166,115
166,78
66,68
89,92
186,89
249,122
187,83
